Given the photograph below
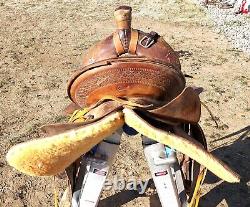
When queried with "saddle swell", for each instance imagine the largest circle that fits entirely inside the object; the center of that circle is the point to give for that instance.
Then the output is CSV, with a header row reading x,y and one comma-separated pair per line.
x,y
156,48
134,65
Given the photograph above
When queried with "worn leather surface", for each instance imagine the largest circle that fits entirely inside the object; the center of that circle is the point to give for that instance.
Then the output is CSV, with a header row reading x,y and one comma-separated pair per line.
x,y
185,107
128,66
139,67
92,116
105,49
129,78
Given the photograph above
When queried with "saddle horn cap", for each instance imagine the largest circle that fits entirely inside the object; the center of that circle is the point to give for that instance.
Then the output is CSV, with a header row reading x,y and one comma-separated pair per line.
x,y
123,17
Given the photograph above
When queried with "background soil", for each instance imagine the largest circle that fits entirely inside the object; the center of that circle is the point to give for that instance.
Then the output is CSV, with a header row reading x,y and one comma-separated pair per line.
x,y
42,42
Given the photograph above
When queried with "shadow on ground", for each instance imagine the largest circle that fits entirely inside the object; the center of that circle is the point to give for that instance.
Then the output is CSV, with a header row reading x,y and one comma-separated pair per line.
x,y
126,196
237,155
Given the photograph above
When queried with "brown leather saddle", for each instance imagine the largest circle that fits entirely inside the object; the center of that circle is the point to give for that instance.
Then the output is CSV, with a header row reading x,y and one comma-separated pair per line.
x,y
129,69
142,69
139,67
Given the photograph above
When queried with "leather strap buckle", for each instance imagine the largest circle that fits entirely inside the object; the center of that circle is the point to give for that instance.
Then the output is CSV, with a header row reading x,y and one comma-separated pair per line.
x,y
148,40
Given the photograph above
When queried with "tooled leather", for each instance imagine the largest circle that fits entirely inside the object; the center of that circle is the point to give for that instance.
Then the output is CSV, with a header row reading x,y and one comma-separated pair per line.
x,y
103,70
127,59
134,92
142,73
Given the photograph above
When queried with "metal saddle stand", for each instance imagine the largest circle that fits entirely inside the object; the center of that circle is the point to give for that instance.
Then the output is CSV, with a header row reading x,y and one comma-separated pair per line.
x,y
162,163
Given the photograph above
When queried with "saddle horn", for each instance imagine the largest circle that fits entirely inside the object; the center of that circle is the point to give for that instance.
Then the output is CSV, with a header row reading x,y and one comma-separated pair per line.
x,y
123,17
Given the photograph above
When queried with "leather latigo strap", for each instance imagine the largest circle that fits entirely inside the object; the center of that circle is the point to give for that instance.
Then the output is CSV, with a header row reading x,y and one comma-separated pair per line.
x,y
118,44
133,42
126,41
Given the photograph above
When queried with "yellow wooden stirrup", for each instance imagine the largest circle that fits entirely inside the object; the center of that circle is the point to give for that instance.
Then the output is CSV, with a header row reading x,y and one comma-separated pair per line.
x,y
78,115
55,193
197,190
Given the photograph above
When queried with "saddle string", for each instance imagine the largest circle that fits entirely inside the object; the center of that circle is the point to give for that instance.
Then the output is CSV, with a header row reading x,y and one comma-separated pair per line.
x,y
211,114
56,204
78,115
121,101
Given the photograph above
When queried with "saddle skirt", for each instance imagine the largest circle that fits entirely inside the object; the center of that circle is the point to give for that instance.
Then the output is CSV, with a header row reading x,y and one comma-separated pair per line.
x,y
135,66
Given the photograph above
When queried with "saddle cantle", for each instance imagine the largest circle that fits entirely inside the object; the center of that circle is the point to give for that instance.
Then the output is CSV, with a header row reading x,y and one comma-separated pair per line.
x,y
138,66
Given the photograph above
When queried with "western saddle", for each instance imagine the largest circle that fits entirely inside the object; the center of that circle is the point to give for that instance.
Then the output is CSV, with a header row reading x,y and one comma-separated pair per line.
x,y
137,67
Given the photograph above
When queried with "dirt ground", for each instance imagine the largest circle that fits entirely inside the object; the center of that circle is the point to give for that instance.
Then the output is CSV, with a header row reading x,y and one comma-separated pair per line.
x,y
42,42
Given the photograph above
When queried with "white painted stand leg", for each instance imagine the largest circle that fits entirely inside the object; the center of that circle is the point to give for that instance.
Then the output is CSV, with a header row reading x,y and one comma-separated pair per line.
x,y
166,175
97,168
162,162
